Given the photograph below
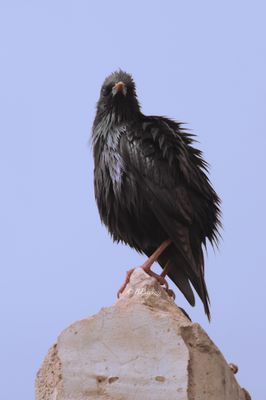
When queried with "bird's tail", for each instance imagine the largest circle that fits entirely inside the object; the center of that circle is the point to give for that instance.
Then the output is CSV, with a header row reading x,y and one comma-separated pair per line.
x,y
183,276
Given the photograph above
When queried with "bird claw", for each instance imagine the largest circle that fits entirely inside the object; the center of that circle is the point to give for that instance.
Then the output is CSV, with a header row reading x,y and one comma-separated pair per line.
x,y
161,279
122,288
170,293
163,282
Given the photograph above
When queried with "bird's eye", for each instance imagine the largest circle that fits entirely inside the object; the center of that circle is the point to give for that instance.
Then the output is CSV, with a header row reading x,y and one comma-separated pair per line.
x,y
106,90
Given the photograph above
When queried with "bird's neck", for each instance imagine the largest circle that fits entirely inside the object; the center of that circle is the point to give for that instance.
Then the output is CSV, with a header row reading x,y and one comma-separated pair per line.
x,y
105,127
107,122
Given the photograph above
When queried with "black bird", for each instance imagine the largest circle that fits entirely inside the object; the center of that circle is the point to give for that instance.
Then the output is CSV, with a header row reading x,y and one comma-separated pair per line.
x,y
151,187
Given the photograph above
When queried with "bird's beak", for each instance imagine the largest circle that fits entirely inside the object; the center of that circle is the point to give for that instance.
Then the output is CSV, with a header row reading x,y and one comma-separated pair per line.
x,y
119,87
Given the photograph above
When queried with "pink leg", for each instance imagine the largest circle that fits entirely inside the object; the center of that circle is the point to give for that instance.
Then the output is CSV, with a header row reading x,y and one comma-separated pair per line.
x,y
147,267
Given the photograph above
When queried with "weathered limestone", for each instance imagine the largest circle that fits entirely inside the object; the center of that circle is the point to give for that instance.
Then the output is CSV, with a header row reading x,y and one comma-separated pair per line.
x,y
141,348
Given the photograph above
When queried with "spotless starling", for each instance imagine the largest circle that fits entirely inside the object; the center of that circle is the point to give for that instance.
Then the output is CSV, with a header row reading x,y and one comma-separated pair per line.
x,y
152,188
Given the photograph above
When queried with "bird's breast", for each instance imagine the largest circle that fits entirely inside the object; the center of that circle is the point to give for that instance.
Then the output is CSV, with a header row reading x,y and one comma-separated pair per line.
x,y
120,201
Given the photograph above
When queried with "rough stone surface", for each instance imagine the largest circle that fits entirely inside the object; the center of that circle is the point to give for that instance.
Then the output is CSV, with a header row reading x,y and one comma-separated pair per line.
x,y
49,377
141,348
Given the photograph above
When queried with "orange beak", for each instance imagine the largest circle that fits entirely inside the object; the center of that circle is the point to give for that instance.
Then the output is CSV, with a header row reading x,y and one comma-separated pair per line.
x,y
119,87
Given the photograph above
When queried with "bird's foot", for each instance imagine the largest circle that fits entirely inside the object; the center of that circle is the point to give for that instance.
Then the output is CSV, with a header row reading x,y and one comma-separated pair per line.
x,y
128,275
147,268
161,279
163,282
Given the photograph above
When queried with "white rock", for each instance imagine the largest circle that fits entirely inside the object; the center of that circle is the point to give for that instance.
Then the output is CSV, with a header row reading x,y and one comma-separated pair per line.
x,y
143,347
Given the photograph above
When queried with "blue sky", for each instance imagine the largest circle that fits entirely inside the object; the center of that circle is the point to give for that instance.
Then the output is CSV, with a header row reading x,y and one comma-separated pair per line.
x,y
201,62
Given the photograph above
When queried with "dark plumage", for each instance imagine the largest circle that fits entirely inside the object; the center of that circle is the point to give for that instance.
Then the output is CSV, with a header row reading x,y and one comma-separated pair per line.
x,y
151,185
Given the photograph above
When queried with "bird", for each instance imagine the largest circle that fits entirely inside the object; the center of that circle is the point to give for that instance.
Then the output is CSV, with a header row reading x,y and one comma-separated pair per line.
x,y
152,188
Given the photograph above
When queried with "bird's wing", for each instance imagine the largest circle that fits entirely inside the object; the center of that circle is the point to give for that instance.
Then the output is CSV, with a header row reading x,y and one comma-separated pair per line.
x,y
152,157
157,163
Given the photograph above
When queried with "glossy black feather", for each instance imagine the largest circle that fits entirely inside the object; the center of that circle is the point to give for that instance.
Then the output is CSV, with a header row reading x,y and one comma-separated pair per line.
x,y
151,184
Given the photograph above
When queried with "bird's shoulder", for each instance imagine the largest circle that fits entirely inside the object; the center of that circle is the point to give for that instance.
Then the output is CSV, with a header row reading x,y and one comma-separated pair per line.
x,y
163,147
157,138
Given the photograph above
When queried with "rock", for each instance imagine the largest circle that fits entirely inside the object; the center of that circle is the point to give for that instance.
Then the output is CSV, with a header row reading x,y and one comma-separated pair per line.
x,y
143,347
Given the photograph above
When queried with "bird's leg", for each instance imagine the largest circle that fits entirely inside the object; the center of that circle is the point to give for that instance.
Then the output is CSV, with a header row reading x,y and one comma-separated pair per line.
x,y
154,257
161,279
147,267
163,275
128,275
166,269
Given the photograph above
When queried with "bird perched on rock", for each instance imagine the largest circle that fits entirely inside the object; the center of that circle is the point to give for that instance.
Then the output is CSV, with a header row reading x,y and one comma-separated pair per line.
x,y
151,187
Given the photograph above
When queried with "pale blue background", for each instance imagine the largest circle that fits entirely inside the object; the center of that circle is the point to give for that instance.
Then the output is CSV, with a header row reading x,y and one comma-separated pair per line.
x,y
202,62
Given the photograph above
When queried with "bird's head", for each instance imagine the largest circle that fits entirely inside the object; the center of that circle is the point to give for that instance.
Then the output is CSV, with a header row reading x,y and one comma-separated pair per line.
x,y
118,97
